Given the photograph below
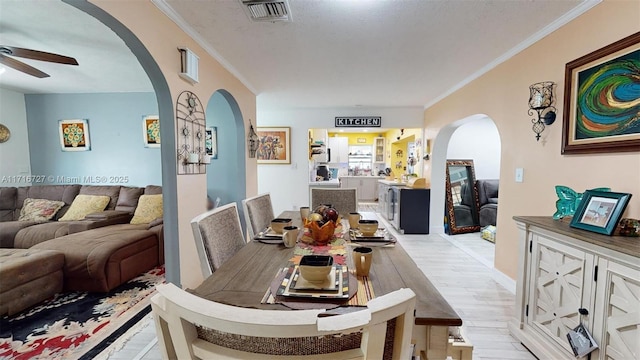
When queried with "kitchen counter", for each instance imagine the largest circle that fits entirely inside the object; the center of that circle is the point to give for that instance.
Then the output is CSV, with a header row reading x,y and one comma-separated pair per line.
x,y
362,176
328,183
392,182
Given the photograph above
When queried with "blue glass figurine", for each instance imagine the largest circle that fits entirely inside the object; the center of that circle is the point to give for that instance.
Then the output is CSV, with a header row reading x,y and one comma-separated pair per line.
x,y
568,201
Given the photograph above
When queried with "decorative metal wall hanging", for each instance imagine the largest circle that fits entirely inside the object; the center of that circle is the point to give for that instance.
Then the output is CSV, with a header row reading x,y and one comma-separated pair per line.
x,y
191,125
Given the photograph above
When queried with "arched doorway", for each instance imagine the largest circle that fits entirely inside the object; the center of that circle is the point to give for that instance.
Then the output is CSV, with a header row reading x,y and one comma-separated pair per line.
x,y
226,176
474,137
167,133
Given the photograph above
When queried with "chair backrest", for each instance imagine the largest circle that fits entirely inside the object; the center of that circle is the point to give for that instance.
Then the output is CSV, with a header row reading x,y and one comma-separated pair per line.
x,y
258,213
343,200
218,235
189,326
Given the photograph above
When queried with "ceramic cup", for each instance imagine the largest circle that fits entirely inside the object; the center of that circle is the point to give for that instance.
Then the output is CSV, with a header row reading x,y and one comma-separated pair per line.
x,y
290,236
304,212
362,257
368,227
354,217
278,224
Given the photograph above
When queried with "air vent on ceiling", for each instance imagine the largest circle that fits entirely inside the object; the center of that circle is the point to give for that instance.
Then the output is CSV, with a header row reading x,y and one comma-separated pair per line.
x,y
267,10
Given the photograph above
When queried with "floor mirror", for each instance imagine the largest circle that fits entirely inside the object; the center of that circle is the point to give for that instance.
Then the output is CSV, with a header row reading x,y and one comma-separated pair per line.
x,y
462,203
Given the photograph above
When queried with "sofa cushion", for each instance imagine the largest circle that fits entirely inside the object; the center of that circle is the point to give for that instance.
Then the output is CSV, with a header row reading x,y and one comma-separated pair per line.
x,y
487,189
9,229
149,208
128,198
153,190
104,190
32,235
39,210
64,193
18,266
84,205
7,203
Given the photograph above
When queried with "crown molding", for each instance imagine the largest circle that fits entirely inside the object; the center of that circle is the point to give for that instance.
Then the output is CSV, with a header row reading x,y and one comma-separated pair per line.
x,y
561,21
182,24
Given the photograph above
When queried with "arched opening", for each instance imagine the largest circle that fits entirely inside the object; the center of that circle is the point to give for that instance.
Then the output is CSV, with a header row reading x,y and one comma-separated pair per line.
x,y
475,137
226,176
167,133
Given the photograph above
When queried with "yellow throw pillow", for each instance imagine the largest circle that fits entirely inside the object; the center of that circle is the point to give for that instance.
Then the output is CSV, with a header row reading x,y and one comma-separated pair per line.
x,y
84,205
149,208
39,209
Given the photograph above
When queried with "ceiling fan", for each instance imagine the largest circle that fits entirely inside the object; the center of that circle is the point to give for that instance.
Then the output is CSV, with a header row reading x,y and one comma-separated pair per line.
x,y
6,51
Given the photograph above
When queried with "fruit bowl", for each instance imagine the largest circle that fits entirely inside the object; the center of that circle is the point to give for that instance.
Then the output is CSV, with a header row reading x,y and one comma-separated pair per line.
x,y
320,234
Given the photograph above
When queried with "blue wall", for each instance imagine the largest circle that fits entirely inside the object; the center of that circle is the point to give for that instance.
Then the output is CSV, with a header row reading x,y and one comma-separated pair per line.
x,y
115,129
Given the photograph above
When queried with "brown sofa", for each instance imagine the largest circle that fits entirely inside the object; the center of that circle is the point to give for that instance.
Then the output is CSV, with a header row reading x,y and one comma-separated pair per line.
x,y
103,250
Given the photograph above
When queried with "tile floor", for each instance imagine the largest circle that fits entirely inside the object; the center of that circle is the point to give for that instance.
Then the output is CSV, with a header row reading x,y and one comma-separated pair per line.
x,y
460,266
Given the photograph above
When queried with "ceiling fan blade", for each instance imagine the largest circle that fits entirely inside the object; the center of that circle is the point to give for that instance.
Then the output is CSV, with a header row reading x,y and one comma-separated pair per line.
x,y
38,55
20,66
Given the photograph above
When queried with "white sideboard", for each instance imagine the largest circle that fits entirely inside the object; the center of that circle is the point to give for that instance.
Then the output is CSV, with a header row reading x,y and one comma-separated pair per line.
x,y
562,269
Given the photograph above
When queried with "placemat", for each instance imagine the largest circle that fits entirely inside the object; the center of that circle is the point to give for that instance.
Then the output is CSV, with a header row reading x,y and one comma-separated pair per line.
x,y
335,248
358,295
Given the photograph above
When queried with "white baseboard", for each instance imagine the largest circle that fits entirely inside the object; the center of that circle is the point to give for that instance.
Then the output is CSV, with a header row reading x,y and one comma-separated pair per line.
x,y
504,280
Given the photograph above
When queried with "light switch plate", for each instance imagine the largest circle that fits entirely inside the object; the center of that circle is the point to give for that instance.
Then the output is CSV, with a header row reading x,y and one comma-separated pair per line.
x,y
519,175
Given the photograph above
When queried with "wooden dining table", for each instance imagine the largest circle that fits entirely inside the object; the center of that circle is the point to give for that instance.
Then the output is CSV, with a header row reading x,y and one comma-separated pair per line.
x,y
243,280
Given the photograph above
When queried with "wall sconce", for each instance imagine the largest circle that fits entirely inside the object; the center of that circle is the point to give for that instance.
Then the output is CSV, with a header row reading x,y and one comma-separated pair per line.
x,y
252,141
541,103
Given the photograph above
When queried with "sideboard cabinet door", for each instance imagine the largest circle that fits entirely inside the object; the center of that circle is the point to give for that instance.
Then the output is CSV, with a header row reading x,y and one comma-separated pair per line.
x,y
617,322
562,279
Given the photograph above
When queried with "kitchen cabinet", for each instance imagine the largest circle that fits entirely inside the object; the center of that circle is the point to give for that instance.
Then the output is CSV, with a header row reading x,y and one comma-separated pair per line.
x,y
379,150
562,269
366,186
339,149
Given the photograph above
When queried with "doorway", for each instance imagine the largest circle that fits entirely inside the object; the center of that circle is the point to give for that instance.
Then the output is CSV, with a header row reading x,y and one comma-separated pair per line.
x,y
226,176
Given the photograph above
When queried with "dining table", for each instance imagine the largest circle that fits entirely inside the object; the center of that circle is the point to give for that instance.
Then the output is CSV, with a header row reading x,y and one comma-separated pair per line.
x,y
242,280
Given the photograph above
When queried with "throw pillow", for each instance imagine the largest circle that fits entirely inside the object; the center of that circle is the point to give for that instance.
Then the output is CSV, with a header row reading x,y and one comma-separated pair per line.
x,y
84,205
149,208
39,209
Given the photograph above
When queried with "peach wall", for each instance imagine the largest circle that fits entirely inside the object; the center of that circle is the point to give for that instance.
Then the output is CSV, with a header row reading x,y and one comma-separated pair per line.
x,y
162,37
502,94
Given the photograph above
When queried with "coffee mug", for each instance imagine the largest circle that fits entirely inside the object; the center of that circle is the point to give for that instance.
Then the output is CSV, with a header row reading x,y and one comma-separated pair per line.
x,y
290,236
304,212
354,217
362,259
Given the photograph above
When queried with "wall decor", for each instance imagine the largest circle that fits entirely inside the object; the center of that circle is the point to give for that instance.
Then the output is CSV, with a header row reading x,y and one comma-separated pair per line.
x,y
358,121
151,131
5,134
274,145
601,100
600,211
74,135
211,142
569,200
190,123
362,140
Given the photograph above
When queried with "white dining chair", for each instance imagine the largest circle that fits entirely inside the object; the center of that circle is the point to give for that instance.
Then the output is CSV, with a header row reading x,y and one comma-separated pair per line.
x,y
191,327
344,200
258,213
218,236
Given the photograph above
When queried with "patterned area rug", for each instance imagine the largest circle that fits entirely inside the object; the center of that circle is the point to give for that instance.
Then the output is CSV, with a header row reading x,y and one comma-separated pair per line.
x,y
77,325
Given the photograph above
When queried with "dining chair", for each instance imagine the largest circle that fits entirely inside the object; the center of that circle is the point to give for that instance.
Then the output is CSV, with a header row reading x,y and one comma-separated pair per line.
x,y
343,200
218,236
190,327
258,212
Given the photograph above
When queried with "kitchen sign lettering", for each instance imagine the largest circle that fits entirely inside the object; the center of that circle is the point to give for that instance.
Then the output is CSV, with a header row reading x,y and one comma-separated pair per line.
x,y
359,121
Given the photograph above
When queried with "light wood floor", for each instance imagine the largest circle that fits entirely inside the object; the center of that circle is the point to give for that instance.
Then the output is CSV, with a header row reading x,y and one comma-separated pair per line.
x,y
460,266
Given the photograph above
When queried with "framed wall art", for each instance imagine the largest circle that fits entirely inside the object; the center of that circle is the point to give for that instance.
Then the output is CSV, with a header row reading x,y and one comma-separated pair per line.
x,y
151,131
601,100
600,211
274,145
74,135
211,142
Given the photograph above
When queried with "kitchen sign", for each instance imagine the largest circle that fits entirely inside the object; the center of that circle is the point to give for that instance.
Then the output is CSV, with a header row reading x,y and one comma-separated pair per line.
x,y
359,121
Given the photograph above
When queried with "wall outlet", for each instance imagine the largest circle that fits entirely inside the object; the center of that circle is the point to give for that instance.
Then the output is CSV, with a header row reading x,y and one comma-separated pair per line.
x,y
519,175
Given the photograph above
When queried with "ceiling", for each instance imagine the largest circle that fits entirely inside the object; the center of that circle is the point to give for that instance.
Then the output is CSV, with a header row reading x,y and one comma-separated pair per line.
x,y
335,53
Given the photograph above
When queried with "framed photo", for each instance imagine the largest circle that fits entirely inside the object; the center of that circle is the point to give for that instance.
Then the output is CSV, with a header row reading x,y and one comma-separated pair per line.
x,y
211,142
600,211
274,145
151,131
601,100
362,140
74,135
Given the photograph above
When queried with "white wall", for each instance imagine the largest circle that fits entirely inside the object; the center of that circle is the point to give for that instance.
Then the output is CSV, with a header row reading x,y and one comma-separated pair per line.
x,y
289,184
478,140
14,154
